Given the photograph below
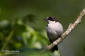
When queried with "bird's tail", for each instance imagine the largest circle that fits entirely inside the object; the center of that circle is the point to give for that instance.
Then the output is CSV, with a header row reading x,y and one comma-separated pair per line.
x,y
55,48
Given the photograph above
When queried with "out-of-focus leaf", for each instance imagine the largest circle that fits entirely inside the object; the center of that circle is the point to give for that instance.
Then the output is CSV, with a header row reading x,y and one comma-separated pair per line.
x,y
36,52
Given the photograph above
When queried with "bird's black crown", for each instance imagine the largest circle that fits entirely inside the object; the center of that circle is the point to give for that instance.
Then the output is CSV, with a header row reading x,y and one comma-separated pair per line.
x,y
52,19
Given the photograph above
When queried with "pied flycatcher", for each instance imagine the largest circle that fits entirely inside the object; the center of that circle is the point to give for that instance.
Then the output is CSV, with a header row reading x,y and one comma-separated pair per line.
x,y
54,30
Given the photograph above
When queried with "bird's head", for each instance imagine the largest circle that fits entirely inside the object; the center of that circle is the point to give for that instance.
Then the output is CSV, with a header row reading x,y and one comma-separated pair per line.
x,y
52,19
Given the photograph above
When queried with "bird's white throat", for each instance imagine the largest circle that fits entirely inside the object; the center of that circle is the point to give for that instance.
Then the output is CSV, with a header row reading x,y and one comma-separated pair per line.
x,y
55,26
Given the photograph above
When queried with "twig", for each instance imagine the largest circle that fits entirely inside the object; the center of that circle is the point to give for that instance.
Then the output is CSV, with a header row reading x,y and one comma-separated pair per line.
x,y
7,40
69,29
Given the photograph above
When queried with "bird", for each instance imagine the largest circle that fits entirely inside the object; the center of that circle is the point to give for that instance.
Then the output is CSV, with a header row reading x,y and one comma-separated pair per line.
x,y
54,30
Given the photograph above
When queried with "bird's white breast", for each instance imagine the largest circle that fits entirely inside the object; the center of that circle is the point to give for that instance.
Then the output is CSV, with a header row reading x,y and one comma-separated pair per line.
x,y
55,26
54,29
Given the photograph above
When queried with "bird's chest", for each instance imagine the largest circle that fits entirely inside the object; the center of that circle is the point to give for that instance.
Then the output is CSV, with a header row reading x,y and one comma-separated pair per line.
x,y
54,30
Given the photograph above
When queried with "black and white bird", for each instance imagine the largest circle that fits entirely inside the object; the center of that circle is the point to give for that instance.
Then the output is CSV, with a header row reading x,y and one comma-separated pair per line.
x,y
54,30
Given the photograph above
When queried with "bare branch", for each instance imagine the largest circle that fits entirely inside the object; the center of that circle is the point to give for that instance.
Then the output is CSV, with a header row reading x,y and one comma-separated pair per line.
x,y
69,29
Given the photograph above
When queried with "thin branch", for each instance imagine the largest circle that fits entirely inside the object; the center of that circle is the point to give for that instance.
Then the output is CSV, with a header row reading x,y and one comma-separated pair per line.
x,y
7,40
69,29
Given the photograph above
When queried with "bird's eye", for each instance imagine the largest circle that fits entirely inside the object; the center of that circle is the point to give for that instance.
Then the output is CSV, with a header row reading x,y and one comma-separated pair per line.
x,y
49,18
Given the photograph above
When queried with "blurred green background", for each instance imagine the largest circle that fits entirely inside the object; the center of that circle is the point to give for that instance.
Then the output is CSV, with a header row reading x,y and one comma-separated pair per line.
x,y
22,26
